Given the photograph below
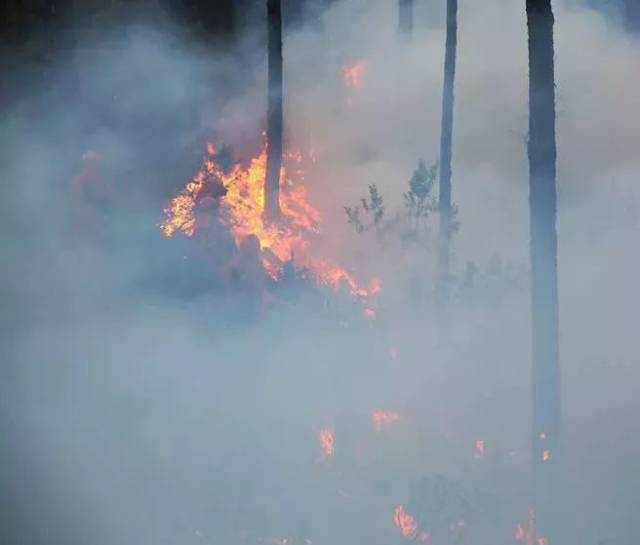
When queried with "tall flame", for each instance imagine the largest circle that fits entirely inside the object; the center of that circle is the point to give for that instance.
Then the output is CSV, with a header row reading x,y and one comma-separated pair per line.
x,y
242,210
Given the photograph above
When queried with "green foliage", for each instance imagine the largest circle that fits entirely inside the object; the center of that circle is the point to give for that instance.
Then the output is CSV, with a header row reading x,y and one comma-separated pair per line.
x,y
373,209
421,184
419,201
409,225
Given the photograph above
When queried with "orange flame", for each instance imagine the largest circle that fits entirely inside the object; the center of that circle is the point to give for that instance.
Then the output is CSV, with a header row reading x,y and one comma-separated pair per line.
x,y
353,74
242,210
405,522
327,443
526,533
382,419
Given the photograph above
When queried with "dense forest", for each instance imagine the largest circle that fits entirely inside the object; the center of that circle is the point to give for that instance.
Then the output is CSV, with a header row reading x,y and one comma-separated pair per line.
x,y
296,272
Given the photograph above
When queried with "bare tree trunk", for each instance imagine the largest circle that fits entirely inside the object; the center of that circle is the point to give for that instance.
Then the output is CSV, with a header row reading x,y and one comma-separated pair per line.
x,y
542,202
446,137
405,16
274,113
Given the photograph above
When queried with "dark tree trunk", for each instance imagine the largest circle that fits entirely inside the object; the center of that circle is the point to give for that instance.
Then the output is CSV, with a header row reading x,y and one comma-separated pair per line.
x,y
446,137
405,16
274,114
542,202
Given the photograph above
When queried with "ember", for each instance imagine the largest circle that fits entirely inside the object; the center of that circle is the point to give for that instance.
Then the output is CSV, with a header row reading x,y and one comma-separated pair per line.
x,y
405,522
353,74
383,419
327,443
526,533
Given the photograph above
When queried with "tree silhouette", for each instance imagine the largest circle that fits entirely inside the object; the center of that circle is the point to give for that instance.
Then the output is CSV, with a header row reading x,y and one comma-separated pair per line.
x,y
405,16
446,138
542,201
274,110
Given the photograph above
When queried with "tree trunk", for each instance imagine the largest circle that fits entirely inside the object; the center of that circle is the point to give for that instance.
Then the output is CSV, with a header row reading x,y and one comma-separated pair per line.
x,y
446,137
274,113
405,16
542,202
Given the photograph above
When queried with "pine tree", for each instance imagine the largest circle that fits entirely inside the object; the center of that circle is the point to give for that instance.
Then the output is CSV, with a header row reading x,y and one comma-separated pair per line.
x,y
274,113
542,201
446,141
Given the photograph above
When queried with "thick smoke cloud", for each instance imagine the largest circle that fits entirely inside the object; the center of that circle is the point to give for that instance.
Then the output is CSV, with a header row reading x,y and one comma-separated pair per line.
x,y
131,415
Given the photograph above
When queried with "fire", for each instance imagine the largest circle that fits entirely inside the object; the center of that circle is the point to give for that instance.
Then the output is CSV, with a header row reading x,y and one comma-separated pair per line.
x,y
405,522
242,211
480,449
327,443
382,419
353,74
526,533
369,314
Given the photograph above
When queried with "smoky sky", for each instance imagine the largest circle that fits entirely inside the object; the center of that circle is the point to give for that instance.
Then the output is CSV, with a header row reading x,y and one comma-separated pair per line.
x,y
131,415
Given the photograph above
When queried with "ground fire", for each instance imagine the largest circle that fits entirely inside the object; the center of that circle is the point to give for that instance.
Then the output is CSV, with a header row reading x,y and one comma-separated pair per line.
x,y
241,191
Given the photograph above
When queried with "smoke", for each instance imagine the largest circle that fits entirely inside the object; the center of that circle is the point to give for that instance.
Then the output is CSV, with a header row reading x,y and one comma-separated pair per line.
x,y
134,414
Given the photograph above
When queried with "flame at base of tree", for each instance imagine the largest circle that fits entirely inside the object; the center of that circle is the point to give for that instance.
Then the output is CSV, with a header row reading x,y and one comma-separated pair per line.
x,y
242,209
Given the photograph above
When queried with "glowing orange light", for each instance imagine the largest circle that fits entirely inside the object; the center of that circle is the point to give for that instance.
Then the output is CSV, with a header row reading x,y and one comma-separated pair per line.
x,y
546,455
242,211
526,533
353,74
369,314
405,522
480,449
327,443
382,419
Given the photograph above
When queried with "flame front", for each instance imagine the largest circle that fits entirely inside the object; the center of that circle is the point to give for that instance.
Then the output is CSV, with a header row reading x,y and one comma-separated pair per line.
x,y
242,210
